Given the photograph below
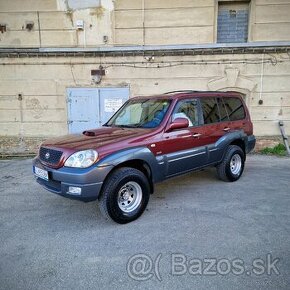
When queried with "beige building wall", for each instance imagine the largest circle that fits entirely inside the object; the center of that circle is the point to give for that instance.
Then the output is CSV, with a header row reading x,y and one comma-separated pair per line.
x,y
270,20
159,22
138,22
153,22
33,89
54,24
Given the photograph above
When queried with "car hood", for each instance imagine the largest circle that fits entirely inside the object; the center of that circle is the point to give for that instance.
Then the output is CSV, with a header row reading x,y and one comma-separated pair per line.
x,y
94,139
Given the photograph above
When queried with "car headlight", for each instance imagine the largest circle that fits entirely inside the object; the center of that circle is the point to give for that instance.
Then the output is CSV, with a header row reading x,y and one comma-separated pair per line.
x,y
82,159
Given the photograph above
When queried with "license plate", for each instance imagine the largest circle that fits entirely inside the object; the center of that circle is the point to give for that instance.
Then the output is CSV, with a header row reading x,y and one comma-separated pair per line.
x,y
41,173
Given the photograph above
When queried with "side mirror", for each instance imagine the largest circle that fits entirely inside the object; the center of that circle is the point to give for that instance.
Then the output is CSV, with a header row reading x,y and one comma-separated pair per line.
x,y
178,123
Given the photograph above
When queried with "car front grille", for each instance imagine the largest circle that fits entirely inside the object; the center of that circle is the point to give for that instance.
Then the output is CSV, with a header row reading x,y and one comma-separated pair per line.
x,y
50,156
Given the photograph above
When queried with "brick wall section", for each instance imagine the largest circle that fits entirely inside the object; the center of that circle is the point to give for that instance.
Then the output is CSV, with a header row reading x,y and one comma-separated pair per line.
x,y
267,142
19,146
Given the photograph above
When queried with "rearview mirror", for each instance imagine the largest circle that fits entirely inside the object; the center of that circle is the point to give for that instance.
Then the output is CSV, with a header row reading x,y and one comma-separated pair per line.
x,y
178,123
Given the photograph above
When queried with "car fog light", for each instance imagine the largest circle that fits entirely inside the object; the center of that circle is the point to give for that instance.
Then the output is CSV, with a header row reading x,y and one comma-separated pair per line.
x,y
74,190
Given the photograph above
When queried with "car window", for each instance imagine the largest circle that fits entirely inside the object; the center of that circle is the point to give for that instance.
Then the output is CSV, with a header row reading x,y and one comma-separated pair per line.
x,y
187,109
223,111
210,110
130,115
234,108
140,113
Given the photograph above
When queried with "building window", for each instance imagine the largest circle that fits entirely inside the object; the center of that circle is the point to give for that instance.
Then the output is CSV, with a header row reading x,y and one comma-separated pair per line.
x,y
232,21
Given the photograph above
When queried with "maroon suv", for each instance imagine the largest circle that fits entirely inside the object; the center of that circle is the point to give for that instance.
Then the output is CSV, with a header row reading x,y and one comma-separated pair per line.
x,y
148,140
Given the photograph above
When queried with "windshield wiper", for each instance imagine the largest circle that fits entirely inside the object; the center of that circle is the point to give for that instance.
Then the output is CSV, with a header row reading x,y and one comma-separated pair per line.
x,y
123,126
129,126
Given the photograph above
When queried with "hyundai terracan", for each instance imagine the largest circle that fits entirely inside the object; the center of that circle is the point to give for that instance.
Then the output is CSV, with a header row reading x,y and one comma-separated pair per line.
x,y
148,140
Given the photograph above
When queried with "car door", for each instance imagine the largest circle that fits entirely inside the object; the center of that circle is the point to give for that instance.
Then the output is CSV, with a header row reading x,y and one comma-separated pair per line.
x,y
184,149
216,125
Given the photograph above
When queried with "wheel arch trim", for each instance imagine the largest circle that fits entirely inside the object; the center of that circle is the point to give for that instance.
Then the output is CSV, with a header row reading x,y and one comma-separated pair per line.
x,y
132,157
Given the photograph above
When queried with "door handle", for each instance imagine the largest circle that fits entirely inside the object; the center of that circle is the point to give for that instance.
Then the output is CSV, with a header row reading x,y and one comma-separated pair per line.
x,y
196,135
226,129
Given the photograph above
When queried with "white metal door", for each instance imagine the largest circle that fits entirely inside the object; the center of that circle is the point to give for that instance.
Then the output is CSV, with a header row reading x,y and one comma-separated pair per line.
x,y
111,99
90,108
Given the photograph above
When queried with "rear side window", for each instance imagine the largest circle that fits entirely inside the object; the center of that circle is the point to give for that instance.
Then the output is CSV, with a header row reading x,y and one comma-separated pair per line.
x,y
210,110
223,111
235,108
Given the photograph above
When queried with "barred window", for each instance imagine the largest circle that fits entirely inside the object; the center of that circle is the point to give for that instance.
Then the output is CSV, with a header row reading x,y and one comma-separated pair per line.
x,y
232,21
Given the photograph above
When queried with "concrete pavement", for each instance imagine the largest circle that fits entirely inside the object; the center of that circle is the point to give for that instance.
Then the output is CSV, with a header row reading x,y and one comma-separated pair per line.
x,y
47,241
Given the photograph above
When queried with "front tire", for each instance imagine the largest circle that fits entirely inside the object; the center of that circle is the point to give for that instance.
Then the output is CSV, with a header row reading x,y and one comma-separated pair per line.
x,y
125,195
232,166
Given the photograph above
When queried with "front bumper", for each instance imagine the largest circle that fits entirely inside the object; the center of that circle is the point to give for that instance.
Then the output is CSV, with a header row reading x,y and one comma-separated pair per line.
x,y
89,180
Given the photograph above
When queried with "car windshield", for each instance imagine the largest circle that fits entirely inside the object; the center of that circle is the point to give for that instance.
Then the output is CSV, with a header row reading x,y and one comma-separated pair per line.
x,y
140,113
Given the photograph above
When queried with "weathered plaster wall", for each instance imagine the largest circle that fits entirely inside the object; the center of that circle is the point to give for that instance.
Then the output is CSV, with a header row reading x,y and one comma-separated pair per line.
x,y
33,91
55,23
126,22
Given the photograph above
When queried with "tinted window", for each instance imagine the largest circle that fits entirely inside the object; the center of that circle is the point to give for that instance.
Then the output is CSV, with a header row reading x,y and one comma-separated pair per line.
x,y
223,112
234,108
187,109
210,110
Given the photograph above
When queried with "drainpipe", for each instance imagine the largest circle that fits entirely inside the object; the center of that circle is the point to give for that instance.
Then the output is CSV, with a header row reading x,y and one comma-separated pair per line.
x,y
85,36
21,133
39,32
284,136
143,20
261,81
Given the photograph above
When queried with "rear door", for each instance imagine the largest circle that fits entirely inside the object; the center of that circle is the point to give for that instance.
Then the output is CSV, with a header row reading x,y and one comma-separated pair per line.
x,y
216,125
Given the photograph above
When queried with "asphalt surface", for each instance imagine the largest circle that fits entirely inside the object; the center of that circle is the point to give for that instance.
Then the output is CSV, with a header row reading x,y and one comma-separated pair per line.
x,y
50,242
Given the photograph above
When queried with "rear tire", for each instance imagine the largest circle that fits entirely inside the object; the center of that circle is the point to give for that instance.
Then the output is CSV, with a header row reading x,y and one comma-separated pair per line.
x,y
125,195
232,166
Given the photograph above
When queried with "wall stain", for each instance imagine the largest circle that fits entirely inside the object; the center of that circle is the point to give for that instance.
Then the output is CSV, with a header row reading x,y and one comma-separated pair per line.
x,y
36,108
98,11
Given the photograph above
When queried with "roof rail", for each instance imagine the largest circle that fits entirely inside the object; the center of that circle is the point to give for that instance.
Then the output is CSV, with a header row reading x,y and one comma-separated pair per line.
x,y
181,91
193,91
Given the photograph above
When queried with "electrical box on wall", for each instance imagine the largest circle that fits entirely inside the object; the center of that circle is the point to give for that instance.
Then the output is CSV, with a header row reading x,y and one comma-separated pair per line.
x,y
80,25
29,25
3,27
